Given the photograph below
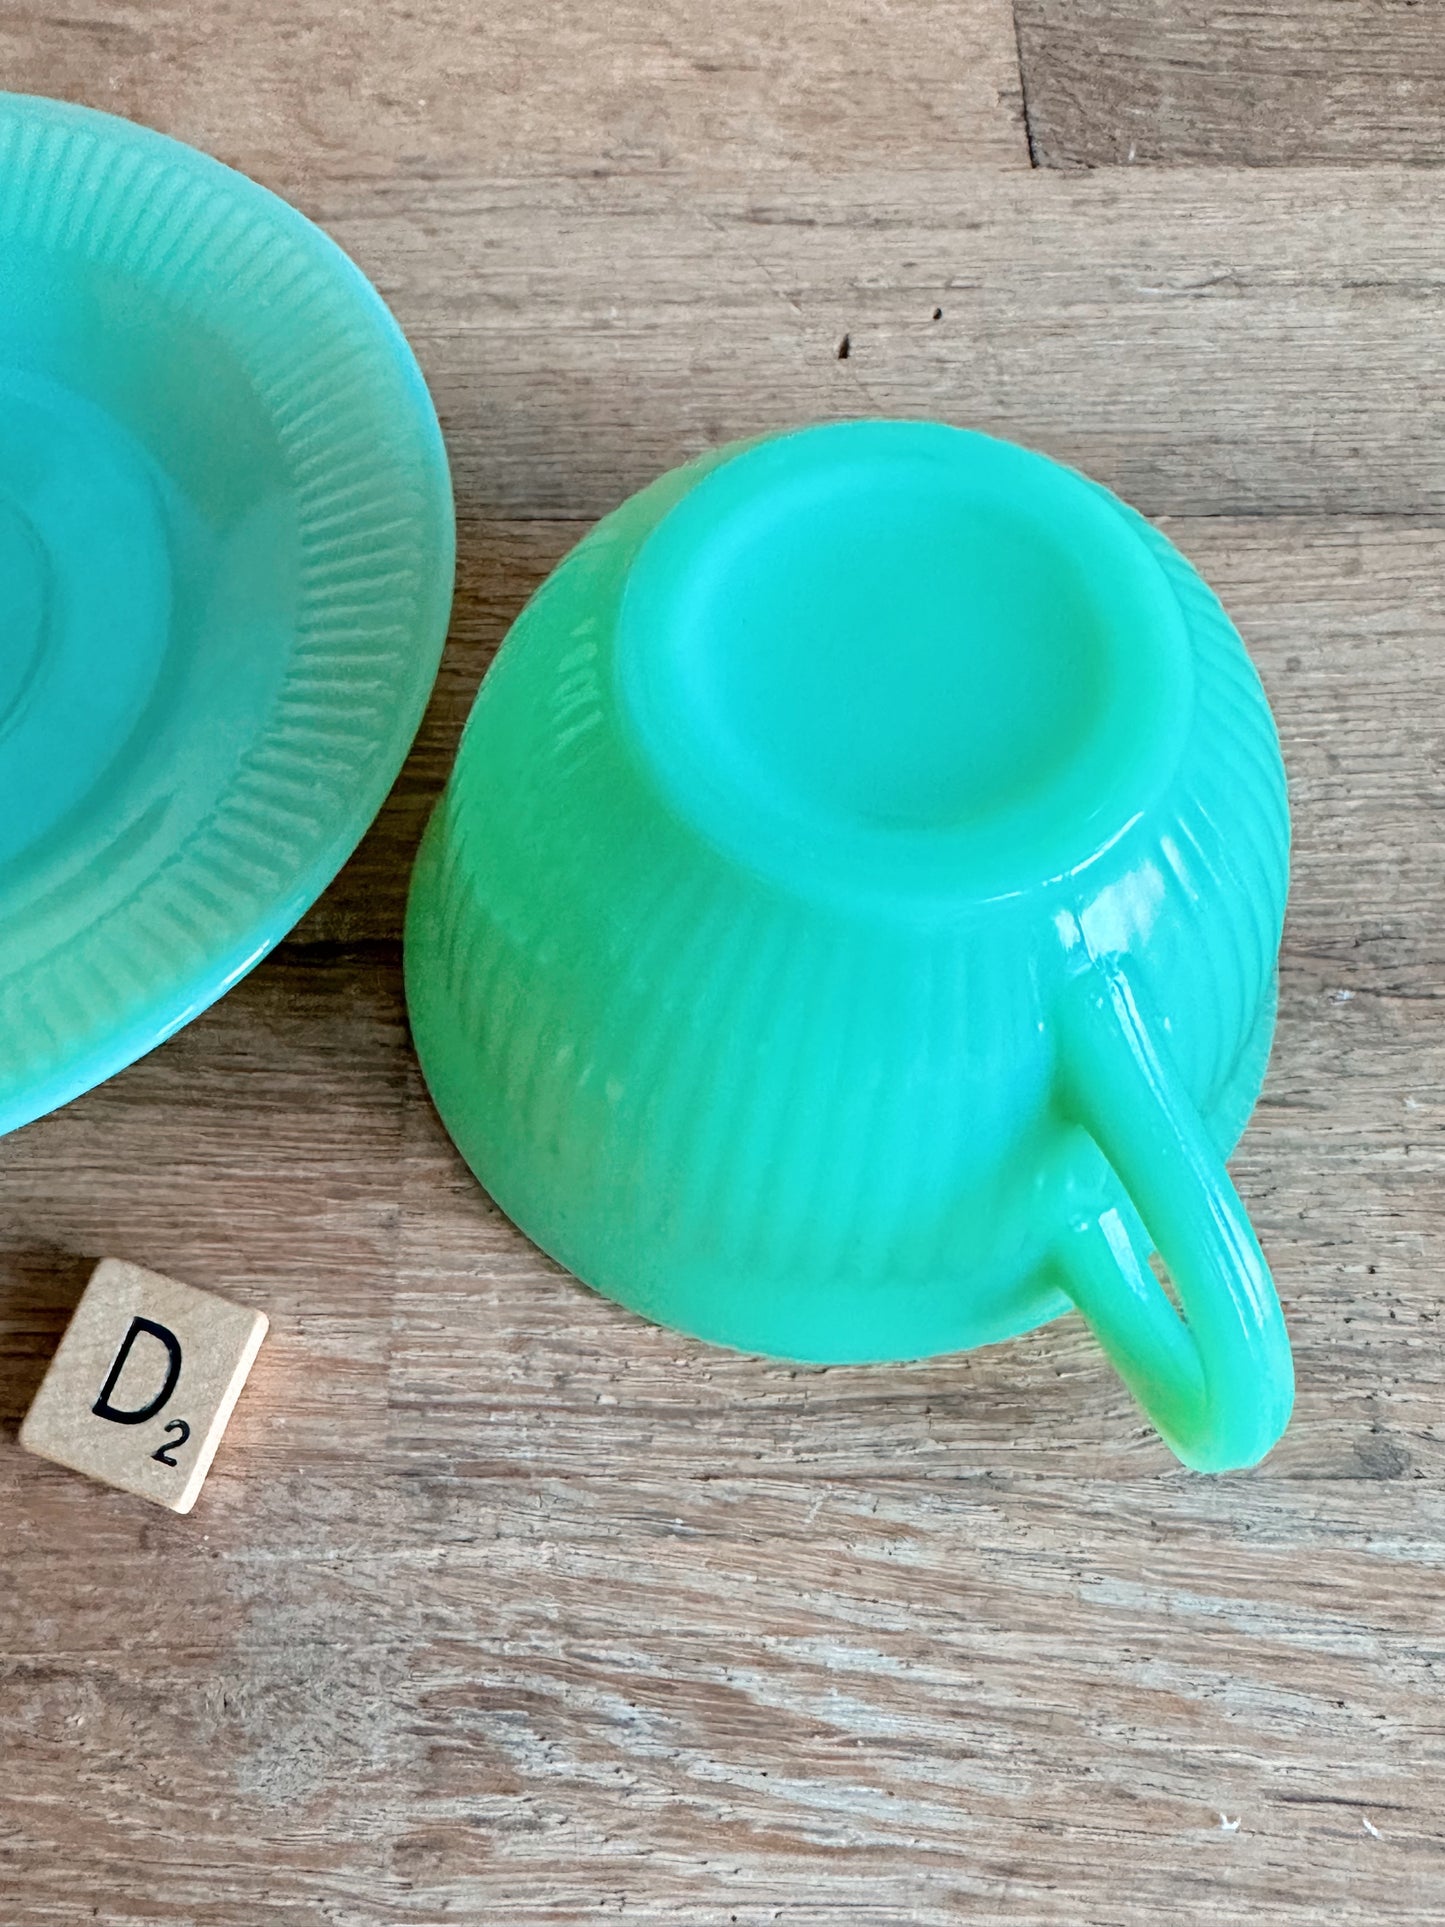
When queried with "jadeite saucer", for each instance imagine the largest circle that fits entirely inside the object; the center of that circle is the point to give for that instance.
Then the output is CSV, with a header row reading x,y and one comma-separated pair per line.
x,y
226,556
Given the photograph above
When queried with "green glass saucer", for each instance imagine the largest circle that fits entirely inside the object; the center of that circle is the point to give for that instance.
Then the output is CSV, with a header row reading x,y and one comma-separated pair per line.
x,y
226,554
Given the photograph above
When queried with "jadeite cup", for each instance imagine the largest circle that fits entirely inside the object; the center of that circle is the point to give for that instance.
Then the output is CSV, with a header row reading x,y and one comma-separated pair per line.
x,y
850,928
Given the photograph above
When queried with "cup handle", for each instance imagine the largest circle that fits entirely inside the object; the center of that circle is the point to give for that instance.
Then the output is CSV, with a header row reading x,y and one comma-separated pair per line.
x,y
1220,1386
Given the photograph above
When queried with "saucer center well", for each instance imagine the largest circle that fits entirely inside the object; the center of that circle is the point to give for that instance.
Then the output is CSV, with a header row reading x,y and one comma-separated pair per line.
x,y
24,599
85,600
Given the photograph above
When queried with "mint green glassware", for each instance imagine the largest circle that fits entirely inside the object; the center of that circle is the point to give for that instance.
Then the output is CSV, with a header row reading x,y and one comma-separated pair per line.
x,y
226,543
850,928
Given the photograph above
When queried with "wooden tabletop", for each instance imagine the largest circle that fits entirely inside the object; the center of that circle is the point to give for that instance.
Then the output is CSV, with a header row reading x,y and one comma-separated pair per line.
x,y
501,1607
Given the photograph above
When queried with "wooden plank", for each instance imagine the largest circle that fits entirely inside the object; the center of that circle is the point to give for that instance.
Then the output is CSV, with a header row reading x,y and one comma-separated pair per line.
x,y
942,1705
891,1700
1268,83
177,1772
1206,343
297,92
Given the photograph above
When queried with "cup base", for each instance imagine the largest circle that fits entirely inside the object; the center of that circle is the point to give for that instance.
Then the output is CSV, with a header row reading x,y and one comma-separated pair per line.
x,y
902,658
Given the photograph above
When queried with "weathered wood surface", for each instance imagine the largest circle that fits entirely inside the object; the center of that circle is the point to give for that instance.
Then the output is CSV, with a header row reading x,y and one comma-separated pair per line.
x,y
1266,83
296,91
501,1607
1206,342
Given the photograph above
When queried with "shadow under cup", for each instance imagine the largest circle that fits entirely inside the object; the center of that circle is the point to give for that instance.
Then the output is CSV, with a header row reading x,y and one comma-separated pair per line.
x,y
849,930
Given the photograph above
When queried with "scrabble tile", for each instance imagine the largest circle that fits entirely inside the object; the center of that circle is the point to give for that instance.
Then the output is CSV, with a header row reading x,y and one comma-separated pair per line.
x,y
145,1378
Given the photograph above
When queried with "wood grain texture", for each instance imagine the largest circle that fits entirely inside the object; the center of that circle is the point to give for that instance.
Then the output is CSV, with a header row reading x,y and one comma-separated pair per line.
x,y
301,91
501,1607
1205,342
1268,83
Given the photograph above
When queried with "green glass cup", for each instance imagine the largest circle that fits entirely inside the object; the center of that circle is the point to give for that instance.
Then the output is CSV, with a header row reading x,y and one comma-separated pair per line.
x,y
850,928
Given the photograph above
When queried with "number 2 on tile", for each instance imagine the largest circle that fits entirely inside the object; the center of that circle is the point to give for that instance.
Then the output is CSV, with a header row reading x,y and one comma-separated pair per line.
x,y
182,1432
